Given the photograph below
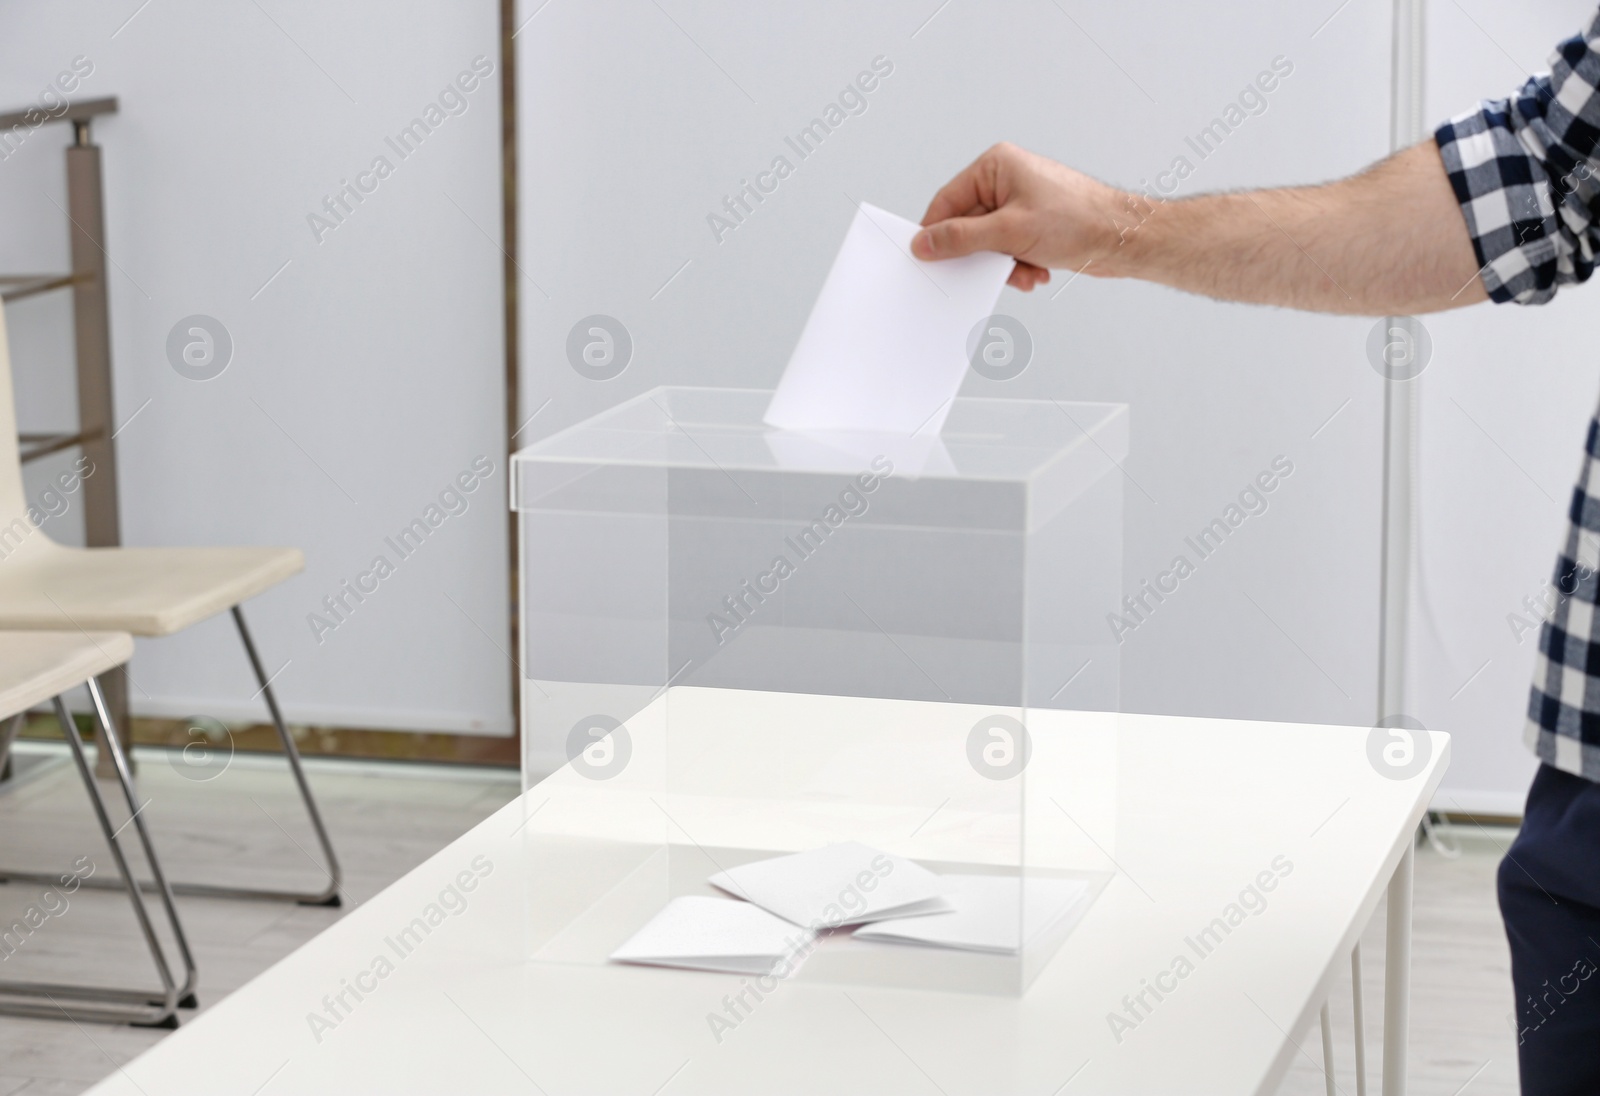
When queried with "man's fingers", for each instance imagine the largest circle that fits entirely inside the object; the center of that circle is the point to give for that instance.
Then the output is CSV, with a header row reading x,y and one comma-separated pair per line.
x,y
958,236
1025,276
956,198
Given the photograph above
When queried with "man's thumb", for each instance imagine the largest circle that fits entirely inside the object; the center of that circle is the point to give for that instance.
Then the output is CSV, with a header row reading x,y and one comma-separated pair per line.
x,y
959,236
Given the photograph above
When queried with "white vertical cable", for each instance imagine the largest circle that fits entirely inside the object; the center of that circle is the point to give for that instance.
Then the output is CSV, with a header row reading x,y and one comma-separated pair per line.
x,y
1406,127
1400,401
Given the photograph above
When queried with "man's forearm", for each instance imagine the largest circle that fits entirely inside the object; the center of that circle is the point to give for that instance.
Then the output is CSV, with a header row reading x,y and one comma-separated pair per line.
x,y
1388,241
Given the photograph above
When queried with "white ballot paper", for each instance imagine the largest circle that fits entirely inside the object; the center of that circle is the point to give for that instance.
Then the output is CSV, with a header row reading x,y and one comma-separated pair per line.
x,y
885,348
696,932
845,884
984,916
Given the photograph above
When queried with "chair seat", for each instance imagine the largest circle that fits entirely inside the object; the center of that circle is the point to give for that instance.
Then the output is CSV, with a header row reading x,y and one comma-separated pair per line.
x,y
146,591
35,666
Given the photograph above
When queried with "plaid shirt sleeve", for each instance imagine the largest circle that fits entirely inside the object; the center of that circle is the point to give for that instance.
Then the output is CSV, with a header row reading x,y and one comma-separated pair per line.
x,y
1526,171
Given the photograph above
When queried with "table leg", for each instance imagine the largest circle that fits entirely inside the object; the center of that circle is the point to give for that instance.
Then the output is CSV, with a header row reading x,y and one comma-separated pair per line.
x,y
1397,976
1360,1020
1327,1051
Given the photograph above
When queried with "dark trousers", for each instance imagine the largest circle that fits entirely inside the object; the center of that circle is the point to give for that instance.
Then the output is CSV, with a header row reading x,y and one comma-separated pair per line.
x,y
1550,900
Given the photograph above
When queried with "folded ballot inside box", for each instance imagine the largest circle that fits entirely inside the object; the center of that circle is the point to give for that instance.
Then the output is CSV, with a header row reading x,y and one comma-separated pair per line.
x,y
844,884
701,933
989,913
847,910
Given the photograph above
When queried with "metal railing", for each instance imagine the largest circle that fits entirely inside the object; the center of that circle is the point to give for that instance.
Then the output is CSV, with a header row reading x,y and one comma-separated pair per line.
x,y
85,210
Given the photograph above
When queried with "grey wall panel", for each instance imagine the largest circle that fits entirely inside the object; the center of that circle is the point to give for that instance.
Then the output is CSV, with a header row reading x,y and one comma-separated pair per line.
x,y
367,369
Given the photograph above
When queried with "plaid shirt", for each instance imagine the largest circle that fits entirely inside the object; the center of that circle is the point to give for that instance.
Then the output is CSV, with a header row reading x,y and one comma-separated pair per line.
x,y
1526,171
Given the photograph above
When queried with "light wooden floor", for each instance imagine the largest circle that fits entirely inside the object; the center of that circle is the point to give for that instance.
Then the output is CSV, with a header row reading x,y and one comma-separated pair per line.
x,y
388,818
385,817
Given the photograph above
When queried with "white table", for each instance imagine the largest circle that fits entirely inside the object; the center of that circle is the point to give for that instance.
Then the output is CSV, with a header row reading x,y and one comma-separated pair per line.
x,y
499,998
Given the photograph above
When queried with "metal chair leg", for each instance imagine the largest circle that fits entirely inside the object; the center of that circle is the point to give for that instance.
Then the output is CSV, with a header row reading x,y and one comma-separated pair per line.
x,y
124,775
8,735
116,763
329,895
100,1003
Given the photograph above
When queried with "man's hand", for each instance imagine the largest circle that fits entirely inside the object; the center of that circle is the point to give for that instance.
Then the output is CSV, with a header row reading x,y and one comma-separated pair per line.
x,y
1389,241
1013,201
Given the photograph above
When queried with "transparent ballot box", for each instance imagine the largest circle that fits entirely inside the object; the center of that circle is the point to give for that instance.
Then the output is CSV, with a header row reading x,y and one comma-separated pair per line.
x,y
739,643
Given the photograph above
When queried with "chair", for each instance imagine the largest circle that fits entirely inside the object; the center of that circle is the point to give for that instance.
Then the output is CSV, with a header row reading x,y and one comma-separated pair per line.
x,y
40,666
145,591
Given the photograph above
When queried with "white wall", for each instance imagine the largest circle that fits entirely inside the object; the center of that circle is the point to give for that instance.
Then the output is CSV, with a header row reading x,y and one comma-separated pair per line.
x,y
1505,403
638,119
368,367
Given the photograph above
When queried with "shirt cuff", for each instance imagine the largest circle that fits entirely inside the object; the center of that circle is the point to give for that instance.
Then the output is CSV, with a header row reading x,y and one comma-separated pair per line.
x,y
1504,195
